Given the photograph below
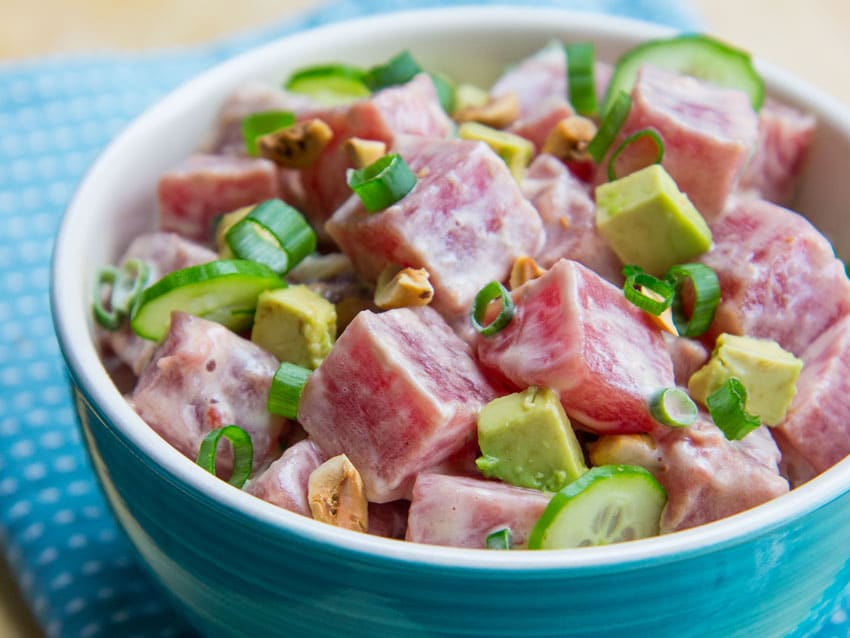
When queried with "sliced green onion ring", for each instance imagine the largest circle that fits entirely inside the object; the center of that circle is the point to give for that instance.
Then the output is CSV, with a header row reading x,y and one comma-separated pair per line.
x,y
287,386
397,70
261,123
243,452
492,291
329,83
581,85
673,407
706,298
124,286
382,183
727,409
637,279
610,127
631,139
445,89
292,238
500,539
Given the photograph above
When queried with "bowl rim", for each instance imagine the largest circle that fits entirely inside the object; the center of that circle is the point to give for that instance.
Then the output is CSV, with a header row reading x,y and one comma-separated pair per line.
x,y
72,328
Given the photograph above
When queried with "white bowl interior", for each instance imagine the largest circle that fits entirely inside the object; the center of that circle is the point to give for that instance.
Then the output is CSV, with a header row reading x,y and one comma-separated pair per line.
x,y
118,200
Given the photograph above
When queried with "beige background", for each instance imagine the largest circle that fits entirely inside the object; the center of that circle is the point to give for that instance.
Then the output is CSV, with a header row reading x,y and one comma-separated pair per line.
x,y
811,38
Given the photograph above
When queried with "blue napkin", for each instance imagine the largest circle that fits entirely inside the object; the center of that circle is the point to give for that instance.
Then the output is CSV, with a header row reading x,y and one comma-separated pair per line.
x,y
74,565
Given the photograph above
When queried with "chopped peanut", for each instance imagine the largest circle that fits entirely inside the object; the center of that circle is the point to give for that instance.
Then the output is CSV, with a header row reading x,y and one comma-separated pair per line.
x,y
405,287
665,319
296,146
364,152
336,495
569,138
499,112
625,449
524,269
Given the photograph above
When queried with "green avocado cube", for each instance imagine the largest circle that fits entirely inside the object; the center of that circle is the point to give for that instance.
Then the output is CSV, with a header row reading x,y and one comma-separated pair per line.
x,y
514,150
768,372
649,222
295,324
526,439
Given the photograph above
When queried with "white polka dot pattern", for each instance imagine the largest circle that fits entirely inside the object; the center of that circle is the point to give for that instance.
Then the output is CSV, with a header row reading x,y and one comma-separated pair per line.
x,y
75,568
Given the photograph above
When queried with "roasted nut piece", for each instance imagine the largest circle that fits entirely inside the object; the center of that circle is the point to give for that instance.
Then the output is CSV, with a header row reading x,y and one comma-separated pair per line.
x,y
569,138
406,287
524,269
336,495
364,152
296,146
625,449
499,112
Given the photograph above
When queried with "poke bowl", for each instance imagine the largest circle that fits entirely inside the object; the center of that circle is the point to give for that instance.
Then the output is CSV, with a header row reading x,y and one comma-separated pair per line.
x,y
236,564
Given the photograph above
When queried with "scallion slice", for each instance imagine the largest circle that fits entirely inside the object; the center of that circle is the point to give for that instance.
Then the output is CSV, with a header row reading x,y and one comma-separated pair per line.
x,y
637,280
397,70
500,539
285,393
492,291
673,407
654,136
445,89
382,183
329,83
120,287
706,297
609,127
580,78
243,452
727,409
258,124
292,238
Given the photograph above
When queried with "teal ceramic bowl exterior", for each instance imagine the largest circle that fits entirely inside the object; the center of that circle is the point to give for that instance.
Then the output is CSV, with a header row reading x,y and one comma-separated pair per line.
x,y
237,566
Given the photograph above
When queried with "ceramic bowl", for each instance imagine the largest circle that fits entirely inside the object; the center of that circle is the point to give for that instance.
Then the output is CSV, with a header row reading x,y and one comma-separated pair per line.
x,y
236,565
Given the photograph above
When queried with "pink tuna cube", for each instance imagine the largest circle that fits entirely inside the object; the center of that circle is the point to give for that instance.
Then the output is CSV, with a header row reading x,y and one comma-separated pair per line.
x,y
204,377
465,221
816,432
783,142
284,483
461,512
779,278
192,194
703,473
575,333
399,393
708,134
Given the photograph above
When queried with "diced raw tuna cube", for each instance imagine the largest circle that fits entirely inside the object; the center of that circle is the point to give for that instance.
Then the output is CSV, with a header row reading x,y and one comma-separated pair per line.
x,y
783,141
816,432
389,519
164,253
252,97
409,109
284,482
192,194
703,473
399,393
708,134
575,333
465,221
461,512
569,219
204,377
688,356
779,278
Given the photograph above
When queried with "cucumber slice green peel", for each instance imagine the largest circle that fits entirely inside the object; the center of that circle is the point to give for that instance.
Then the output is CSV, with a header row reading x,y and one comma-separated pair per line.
x,y
608,504
693,54
224,291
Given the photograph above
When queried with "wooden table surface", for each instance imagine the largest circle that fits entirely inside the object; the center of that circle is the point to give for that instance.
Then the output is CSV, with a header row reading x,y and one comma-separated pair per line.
x,y
812,39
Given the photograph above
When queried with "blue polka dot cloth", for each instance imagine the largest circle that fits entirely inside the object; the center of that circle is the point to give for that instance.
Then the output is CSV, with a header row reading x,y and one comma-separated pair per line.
x,y
74,565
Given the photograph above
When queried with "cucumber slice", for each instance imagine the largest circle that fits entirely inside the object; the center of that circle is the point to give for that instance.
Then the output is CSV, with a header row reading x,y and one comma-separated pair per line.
x,y
696,55
330,84
224,291
608,504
